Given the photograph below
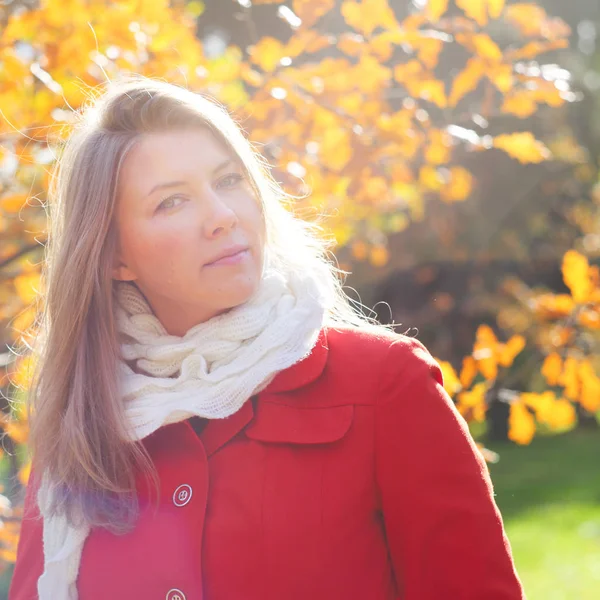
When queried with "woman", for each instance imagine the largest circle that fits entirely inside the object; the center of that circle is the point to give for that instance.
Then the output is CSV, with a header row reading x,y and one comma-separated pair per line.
x,y
211,419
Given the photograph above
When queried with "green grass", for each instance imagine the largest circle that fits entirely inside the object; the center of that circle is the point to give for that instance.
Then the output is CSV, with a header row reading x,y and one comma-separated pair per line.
x,y
549,496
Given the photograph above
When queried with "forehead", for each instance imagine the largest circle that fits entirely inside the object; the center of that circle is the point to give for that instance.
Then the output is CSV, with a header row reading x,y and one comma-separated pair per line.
x,y
156,156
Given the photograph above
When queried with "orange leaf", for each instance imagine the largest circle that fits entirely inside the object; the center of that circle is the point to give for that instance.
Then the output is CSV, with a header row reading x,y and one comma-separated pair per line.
x,y
379,256
522,146
367,15
552,368
360,250
466,81
576,275
521,423
436,8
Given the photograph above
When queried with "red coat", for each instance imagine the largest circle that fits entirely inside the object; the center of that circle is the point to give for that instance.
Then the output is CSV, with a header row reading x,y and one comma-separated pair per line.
x,y
351,477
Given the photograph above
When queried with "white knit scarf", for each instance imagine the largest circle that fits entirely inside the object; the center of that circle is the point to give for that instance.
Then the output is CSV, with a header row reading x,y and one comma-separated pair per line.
x,y
209,372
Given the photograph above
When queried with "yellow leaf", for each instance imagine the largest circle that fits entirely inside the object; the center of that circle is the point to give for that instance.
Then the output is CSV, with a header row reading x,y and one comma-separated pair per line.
x,y
554,306
430,178
310,11
474,9
367,15
535,48
590,387
379,256
576,275
521,423
561,415
502,77
478,10
27,286
306,41
482,45
569,378
24,473
510,350
429,49
439,149
16,430
495,8
336,149
521,103
484,351
522,146
459,187
267,53
451,380
471,404
436,8
468,371
351,44
466,81
552,368
13,203
21,376
531,20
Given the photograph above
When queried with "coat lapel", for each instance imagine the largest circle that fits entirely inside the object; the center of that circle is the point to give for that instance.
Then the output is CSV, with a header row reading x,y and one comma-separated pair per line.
x,y
218,432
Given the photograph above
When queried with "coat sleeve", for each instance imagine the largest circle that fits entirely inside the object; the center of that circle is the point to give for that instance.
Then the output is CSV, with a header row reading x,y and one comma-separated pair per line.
x,y
444,531
30,550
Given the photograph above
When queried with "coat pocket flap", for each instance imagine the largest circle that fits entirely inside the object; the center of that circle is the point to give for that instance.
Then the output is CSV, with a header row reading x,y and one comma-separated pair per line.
x,y
282,423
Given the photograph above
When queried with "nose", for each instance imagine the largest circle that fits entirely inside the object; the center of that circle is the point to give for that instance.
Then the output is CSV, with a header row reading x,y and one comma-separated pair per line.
x,y
219,218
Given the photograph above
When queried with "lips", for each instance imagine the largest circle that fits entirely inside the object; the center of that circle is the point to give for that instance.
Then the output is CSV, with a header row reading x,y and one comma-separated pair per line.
x,y
229,255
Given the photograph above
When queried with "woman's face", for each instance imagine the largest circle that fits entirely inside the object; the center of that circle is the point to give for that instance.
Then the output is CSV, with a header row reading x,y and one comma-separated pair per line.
x,y
183,201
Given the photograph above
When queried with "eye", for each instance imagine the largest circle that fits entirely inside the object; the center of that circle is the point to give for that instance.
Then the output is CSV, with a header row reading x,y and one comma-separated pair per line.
x,y
169,203
230,180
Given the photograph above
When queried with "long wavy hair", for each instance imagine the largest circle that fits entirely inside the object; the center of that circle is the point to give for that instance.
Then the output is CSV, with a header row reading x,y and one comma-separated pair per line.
x,y
76,415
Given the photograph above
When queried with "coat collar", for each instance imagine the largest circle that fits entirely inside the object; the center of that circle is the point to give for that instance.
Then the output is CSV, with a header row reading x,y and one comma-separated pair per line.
x,y
218,432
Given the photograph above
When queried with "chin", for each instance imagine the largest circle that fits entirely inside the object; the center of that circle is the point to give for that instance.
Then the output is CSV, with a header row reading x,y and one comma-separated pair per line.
x,y
239,292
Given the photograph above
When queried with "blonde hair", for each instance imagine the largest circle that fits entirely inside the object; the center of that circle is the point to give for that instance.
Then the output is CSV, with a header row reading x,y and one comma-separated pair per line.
x,y
76,416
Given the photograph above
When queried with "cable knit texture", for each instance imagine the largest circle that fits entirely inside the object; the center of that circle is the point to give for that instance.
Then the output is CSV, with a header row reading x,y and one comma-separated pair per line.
x,y
209,372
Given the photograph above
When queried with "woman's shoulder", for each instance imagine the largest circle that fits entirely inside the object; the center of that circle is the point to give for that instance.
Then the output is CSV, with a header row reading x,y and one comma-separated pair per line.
x,y
374,343
378,355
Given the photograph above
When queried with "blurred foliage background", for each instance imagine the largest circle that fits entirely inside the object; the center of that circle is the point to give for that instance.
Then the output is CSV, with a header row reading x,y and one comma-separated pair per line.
x,y
451,148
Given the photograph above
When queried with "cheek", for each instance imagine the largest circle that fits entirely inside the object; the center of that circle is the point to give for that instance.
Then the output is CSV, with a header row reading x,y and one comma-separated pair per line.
x,y
157,251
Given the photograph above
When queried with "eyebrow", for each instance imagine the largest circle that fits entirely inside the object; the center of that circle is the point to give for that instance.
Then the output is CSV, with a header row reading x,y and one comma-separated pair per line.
x,y
170,184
